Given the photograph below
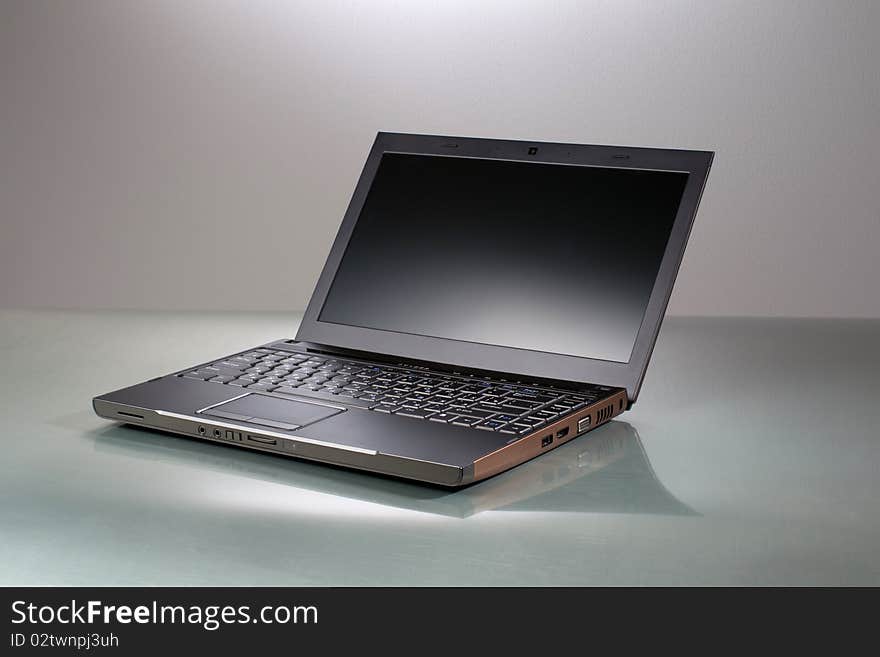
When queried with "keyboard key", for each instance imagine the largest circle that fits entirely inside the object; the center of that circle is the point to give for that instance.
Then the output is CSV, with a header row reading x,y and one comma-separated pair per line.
x,y
287,390
203,374
536,398
520,403
512,410
496,392
519,427
473,412
268,387
490,425
407,411
442,417
210,372
465,421
487,408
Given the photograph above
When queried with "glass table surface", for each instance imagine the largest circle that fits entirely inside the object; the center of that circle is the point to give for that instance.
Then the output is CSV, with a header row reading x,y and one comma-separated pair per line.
x,y
751,457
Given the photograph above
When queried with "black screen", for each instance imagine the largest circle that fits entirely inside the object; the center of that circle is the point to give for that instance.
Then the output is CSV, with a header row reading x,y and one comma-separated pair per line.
x,y
546,257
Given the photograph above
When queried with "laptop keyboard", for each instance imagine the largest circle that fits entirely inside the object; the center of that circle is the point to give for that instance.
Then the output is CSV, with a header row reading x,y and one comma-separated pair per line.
x,y
470,401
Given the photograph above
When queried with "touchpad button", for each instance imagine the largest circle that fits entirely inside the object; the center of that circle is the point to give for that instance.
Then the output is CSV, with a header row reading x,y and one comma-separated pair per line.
x,y
273,411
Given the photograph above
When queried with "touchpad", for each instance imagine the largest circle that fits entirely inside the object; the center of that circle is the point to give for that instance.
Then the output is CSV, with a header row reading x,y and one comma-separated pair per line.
x,y
273,411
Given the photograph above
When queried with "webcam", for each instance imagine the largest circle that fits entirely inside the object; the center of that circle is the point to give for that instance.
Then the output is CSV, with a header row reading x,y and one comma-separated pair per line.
x,y
533,150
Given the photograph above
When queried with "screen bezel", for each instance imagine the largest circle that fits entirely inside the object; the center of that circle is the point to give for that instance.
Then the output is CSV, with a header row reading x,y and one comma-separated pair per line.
x,y
521,362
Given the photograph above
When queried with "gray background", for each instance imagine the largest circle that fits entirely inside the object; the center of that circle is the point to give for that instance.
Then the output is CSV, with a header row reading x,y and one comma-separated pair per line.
x,y
200,155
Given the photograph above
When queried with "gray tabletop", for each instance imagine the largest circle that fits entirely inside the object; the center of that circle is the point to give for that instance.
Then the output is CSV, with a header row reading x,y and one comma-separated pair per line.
x,y
752,457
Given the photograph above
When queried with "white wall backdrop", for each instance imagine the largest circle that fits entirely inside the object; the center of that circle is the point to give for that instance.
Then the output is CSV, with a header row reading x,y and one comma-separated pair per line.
x,y
200,154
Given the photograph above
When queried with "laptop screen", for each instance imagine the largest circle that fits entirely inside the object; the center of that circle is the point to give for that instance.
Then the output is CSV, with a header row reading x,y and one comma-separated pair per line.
x,y
545,257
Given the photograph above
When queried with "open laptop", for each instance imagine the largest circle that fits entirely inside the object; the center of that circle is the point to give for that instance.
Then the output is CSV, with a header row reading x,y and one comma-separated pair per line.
x,y
484,301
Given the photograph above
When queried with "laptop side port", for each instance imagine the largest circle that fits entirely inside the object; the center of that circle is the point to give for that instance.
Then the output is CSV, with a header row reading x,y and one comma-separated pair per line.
x,y
562,433
546,440
584,423
262,440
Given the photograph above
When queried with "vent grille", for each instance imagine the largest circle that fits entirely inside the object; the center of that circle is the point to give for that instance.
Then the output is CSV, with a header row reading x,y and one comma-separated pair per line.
x,y
604,413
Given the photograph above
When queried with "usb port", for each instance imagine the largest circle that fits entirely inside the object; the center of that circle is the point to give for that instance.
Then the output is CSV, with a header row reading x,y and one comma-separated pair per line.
x,y
562,433
546,440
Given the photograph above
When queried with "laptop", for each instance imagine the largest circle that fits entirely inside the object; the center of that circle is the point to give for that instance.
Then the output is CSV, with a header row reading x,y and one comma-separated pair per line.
x,y
484,301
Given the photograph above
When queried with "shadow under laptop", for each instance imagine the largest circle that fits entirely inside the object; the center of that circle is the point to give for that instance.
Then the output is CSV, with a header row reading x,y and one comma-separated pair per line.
x,y
605,471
